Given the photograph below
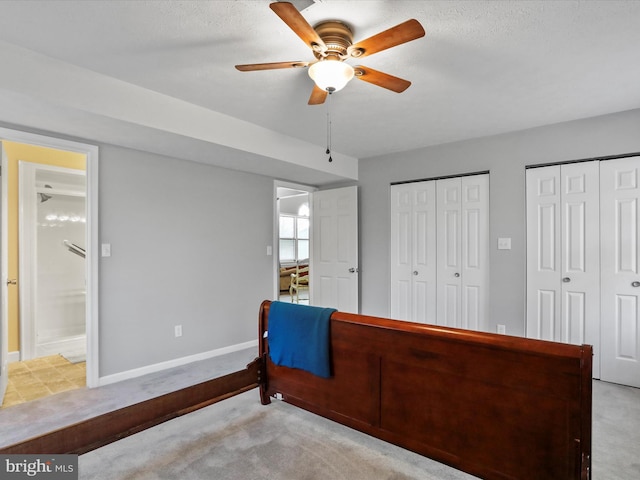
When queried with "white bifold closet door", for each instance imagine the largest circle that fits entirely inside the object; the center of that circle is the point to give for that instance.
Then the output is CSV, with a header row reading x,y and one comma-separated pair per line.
x,y
463,251
439,251
620,256
583,261
413,247
563,271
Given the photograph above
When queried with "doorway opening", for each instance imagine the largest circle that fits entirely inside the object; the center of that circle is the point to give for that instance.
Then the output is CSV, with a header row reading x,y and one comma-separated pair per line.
x,y
293,227
332,245
49,270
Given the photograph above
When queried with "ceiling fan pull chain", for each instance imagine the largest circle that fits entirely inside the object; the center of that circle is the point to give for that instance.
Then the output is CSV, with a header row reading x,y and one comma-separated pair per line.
x,y
329,128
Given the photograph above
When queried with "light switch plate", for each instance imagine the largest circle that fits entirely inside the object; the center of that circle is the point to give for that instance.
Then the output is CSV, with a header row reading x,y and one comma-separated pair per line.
x,y
106,249
504,243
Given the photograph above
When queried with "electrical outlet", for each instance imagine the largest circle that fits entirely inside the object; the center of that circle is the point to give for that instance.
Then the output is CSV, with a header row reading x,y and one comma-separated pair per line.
x,y
178,330
502,329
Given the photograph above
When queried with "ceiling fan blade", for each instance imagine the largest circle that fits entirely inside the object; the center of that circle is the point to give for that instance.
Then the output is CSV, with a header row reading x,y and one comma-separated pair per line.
x,y
296,22
381,79
318,96
251,67
402,33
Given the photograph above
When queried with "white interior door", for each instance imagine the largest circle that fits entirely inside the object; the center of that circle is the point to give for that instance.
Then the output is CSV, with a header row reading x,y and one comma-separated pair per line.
x,y
449,245
543,252
463,251
474,254
401,241
440,251
620,213
4,321
563,255
580,253
413,252
334,268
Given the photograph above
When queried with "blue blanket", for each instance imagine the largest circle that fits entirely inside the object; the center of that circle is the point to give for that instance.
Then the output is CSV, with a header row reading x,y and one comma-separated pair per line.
x,y
299,337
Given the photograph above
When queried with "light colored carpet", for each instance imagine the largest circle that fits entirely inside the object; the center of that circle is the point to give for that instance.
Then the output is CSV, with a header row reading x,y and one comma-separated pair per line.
x,y
240,439
616,432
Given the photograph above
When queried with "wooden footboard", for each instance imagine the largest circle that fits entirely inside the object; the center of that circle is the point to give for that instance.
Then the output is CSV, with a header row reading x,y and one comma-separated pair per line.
x,y
494,406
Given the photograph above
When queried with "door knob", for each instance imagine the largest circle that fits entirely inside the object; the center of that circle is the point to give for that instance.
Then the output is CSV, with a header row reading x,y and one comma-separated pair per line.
x,y
353,270
415,272
566,279
456,274
635,284
13,281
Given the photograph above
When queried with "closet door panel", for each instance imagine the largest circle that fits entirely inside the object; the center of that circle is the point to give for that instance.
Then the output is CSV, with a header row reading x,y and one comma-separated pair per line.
x,y
449,244
620,215
424,253
543,252
475,251
413,252
472,307
563,254
580,200
401,247
546,315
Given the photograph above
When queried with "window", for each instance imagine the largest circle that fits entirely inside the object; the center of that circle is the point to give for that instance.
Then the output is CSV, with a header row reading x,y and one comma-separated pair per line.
x,y
294,238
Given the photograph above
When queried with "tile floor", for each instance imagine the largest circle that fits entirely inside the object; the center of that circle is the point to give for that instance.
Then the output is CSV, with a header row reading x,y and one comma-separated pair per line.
x,y
41,377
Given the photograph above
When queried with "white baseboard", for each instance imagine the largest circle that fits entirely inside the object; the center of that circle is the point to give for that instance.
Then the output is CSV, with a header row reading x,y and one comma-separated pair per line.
x,y
64,346
157,367
13,356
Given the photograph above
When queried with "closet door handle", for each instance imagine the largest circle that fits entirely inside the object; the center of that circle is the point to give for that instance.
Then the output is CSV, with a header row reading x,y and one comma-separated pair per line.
x,y
566,279
13,281
635,284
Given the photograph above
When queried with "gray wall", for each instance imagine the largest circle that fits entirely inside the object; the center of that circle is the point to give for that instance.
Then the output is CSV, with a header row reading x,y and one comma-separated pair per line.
x,y
188,245
505,156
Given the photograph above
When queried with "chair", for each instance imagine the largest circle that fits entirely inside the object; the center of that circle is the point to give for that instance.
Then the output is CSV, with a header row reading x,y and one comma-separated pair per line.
x,y
299,281
285,277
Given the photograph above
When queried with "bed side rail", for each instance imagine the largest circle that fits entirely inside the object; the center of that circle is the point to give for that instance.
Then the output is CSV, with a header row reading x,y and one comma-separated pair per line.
x,y
101,430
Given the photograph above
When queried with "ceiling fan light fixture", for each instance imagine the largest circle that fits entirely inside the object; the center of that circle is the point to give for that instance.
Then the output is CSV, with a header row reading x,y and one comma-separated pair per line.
x,y
331,75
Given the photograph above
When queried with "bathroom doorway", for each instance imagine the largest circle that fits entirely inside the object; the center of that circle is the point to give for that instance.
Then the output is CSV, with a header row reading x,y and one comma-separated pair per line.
x,y
60,189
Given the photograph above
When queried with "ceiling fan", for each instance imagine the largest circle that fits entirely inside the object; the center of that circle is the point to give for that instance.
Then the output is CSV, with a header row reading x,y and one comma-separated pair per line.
x,y
332,44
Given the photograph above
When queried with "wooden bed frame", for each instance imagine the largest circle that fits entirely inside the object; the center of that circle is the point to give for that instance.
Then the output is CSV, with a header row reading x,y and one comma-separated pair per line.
x,y
494,406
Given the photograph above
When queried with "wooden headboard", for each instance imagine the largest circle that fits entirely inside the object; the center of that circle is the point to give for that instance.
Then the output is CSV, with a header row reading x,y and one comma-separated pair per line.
x,y
495,406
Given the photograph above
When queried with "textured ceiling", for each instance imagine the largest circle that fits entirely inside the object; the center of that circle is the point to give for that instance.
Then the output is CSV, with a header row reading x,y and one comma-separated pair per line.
x,y
483,68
